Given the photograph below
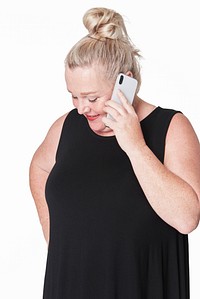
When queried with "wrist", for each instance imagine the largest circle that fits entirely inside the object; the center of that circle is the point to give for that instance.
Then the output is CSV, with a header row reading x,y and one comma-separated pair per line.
x,y
138,151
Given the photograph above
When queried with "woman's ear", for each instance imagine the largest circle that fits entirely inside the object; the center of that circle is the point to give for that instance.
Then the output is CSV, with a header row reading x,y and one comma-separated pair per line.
x,y
129,73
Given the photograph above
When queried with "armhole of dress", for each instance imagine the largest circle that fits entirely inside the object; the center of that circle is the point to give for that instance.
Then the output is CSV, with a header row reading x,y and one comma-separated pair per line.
x,y
165,127
67,118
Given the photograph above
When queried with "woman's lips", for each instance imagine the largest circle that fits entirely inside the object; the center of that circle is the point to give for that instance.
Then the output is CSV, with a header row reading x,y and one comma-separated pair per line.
x,y
92,117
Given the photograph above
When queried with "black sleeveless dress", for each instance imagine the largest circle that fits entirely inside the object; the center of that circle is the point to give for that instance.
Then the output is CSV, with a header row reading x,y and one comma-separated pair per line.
x,y
106,242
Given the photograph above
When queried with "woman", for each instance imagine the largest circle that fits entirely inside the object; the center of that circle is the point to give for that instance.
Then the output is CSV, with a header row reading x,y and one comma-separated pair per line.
x,y
121,194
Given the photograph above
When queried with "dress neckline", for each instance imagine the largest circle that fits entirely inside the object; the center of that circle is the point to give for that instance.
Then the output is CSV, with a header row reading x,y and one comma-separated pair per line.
x,y
113,136
150,114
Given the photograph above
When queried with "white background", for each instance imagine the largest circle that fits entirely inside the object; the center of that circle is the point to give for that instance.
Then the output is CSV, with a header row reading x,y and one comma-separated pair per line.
x,y
35,37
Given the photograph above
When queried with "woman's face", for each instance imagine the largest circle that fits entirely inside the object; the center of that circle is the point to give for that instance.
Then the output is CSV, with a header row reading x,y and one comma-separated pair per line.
x,y
90,90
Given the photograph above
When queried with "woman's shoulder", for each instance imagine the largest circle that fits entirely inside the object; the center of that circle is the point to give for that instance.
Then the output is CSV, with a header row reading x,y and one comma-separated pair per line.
x,y
143,109
181,127
59,122
179,122
57,125
46,152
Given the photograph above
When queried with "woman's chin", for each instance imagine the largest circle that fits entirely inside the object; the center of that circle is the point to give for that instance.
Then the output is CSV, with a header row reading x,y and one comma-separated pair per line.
x,y
100,128
96,127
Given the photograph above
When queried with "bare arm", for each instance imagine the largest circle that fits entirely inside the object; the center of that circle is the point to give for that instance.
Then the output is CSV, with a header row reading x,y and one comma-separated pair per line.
x,y
41,164
172,188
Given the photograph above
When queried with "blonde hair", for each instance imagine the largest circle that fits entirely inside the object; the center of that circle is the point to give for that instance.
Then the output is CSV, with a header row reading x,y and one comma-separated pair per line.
x,y
107,45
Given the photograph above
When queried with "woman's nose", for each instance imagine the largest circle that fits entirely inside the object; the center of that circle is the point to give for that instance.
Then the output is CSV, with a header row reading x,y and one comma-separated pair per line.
x,y
83,107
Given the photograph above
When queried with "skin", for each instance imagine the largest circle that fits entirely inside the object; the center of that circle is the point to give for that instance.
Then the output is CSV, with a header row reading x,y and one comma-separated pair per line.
x,y
172,188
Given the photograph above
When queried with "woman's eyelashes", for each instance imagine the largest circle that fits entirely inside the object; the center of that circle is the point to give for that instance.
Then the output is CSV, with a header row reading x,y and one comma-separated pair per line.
x,y
91,100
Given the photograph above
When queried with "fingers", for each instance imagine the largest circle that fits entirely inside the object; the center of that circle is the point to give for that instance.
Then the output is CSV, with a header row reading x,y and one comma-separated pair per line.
x,y
116,109
126,104
113,113
108,122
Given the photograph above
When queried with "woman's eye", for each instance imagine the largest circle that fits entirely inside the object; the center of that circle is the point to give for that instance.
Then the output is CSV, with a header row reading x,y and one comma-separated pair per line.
x,y
92,100
74,98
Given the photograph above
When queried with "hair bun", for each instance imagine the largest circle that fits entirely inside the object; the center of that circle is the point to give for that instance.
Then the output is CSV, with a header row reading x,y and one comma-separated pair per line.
x,y
104,23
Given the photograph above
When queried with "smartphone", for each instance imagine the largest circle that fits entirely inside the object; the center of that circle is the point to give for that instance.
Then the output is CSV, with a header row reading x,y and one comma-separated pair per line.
x,y
127,85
